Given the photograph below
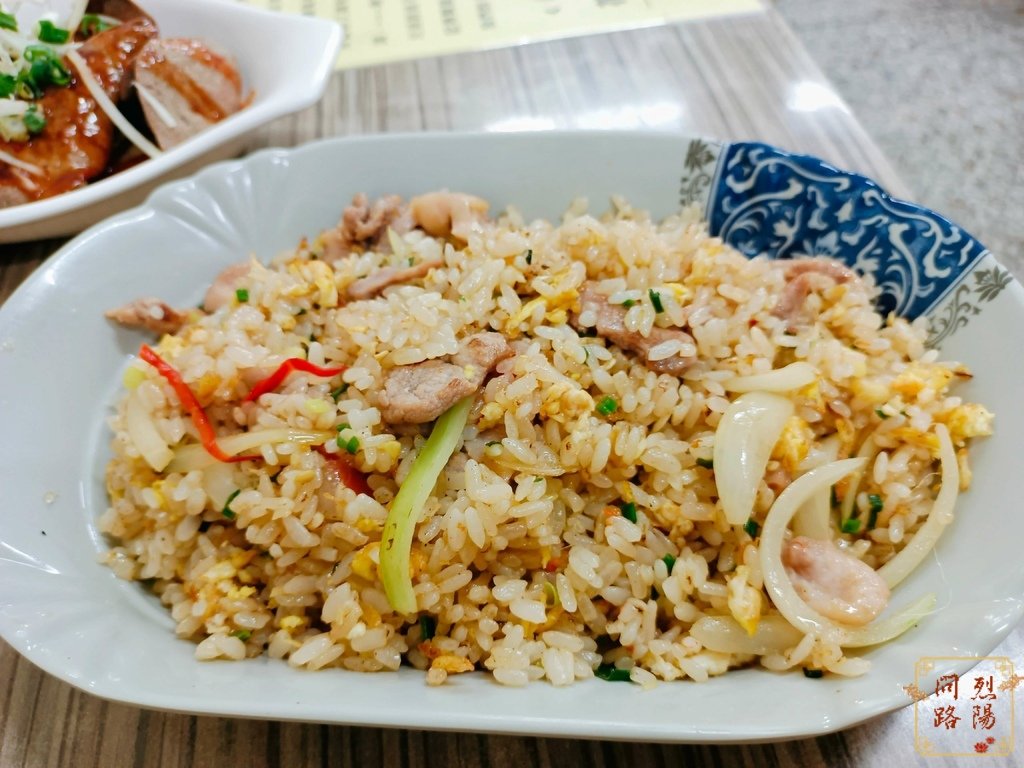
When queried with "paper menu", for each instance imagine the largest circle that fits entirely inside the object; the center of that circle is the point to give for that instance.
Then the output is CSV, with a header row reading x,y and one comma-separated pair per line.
x,y
382,31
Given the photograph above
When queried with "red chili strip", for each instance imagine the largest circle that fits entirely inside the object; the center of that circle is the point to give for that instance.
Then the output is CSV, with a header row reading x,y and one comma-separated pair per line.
x,y
202,424
274,380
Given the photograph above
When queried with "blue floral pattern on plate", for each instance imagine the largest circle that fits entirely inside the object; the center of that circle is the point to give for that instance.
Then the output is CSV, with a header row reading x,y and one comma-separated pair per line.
x,y
762,200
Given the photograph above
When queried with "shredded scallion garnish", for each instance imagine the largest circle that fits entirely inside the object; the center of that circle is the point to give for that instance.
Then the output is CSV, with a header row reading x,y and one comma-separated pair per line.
x,y
656,300
607,406
51,33
242,294
670,562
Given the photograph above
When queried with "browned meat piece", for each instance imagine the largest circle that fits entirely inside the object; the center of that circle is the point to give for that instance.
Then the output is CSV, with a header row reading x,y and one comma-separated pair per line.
x,y
415,394
75,145
611,324
440,214
803,276
371,285
122,10
365,226
222,290
149,314
185,86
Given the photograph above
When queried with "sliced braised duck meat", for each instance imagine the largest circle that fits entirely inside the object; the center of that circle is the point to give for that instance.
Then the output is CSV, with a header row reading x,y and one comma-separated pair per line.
x,y
369,286
441,214
75,144
802,276
149,314
364,226
222,289
416,394
185,86
610,323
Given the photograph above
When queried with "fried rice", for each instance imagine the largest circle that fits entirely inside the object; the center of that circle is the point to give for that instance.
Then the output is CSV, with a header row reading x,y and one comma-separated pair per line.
x,y
579,527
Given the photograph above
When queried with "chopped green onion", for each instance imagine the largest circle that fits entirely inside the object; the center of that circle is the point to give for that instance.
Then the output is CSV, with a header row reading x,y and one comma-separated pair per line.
x,y
8,84
93,24
881,414
343,426
352,445
612,674
529,256
396,543
706,463
35,121
670,562
242,634
628,303
337,393
8,21
751,527
851,525
876,506
51,33
628,511
656,300
538,479
428,626
551,594
607,406
813,673
228,512
242,294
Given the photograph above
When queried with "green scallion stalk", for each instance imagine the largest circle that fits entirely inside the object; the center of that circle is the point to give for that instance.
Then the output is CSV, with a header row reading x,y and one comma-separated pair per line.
x,y
35,121
400,525
628,511
851,525
227,511
670,561
612,674
51,33
656,300
8,21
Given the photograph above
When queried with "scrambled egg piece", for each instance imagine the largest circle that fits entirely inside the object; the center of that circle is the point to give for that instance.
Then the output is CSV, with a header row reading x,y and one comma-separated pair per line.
x,y
870,390
744,601
968,420
917,377
365,563
793,444
291,623
452,664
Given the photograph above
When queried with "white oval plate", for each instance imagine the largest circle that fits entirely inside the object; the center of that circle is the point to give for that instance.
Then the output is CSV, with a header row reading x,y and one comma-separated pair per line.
x,y
285,61
60,365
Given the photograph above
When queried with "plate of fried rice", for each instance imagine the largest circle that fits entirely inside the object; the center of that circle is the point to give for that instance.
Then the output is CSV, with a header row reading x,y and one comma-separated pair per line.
x,y
600,435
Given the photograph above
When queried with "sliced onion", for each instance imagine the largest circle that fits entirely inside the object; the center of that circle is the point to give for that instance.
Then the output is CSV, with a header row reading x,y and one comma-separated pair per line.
x,y
145,436
923,542
867,451
108,106
780,588
219,483
793,376
748,431
12,107
814,517
724,634
161,111
74,19
195,456
11,160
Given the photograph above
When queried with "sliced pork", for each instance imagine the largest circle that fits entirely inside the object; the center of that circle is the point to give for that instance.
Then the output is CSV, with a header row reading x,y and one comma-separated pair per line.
x,y
804,276
610,323
149,314
416,394
369,286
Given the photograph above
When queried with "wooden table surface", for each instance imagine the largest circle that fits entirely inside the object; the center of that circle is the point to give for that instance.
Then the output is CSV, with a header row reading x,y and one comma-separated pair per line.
x,y
739,78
